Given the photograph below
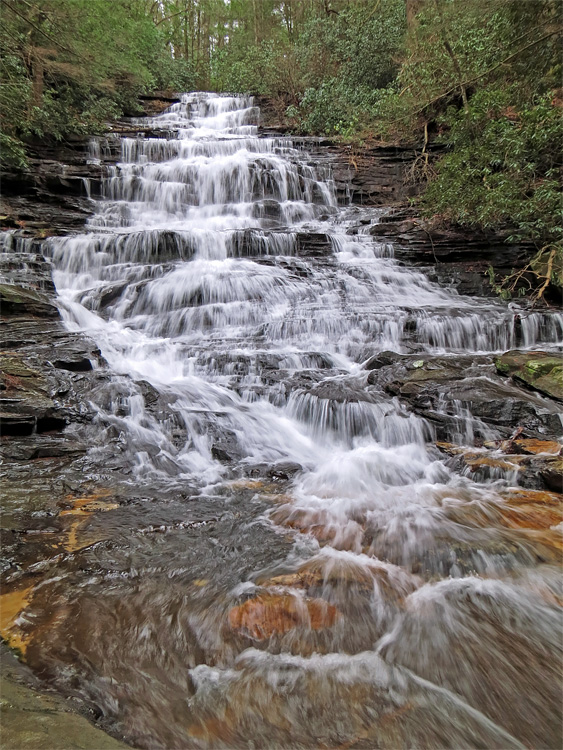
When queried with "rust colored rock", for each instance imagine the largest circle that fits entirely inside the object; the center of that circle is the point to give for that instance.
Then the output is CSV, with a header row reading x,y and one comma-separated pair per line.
x,y
520,496
533,447
268,614
531,517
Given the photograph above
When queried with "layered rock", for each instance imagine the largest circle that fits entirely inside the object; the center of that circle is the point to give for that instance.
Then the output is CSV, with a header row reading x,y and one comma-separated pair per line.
x,y
465,395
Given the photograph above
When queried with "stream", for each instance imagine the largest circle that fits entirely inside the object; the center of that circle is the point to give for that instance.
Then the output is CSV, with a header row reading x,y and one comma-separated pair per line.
x,y
289,561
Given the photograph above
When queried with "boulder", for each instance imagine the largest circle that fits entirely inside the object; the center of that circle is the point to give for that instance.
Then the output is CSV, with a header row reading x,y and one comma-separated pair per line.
x,y
540,370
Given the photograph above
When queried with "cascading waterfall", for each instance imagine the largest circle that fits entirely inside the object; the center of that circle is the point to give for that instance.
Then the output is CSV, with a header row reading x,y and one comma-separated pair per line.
x,y
219,270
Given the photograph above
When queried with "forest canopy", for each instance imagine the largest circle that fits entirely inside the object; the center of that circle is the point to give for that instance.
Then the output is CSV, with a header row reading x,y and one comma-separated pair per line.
x,y
483,77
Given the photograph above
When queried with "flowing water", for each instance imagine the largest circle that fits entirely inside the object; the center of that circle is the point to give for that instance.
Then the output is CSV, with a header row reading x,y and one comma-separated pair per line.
x,y
289,562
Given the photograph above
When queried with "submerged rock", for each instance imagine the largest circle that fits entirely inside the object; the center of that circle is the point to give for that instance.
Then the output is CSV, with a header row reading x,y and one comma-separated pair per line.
x,y
267,614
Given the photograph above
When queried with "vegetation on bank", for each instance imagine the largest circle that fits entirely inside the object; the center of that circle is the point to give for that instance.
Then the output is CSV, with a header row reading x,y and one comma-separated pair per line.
x,y
482,77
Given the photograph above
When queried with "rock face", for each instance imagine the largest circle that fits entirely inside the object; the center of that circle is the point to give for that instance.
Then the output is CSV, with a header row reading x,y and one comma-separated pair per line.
x,y
455,255
52,195
465,394
541,371
46,371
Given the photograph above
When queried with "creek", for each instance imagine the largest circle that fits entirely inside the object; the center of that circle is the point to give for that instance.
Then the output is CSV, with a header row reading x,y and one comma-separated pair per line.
x,y
289,561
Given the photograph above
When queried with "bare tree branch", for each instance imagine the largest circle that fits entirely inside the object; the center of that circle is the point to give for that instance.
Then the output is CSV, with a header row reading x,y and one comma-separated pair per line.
x,y
477,78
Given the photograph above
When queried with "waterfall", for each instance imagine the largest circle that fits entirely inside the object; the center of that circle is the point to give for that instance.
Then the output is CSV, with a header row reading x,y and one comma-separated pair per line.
x,y
236,304
214,250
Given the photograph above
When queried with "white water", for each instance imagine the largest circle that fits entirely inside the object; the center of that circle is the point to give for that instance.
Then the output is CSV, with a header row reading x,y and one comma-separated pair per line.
x,y
192,277
193,317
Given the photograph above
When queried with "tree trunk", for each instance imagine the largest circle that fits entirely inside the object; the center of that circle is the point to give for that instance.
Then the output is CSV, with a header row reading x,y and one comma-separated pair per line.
x,y
38,67
413,7
453,58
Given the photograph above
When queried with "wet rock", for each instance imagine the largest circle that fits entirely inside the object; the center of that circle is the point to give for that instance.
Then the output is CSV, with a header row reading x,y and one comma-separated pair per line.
x,y
26,269
550,470
464,395
284,470
220,454
530,447
267,614
340,392
535,510
43,445
33,718
535,471
15,300
344,577
310,245
539,370
111,294
226,445
383,359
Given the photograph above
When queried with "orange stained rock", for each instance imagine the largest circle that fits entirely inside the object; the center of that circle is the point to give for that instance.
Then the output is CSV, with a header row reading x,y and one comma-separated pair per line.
x,y
530,509
88,503
87,508
530,516
215,728
476,459
307,522
12,604
547,538
520,496
268,614
82,508
507,463
252,484
317,573
450,448
303,579
539,446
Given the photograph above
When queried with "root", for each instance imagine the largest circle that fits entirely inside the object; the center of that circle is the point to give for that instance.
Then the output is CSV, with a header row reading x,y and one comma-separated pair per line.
x,y
539,282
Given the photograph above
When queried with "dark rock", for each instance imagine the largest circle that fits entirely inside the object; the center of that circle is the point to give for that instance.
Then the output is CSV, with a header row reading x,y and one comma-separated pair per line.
x,y
15,300
82,364
284,470
220,454
312,245
16,424
446,390
41,446
340,391
381,360
110,294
